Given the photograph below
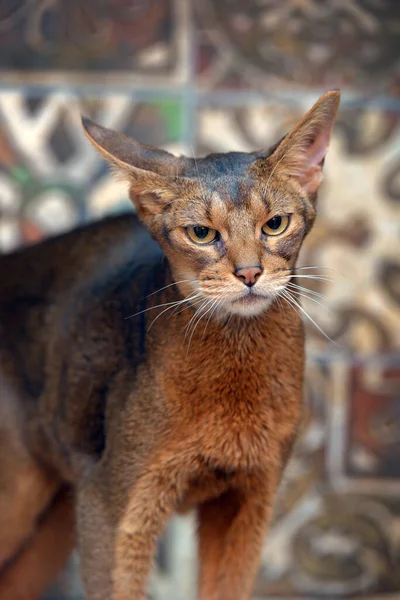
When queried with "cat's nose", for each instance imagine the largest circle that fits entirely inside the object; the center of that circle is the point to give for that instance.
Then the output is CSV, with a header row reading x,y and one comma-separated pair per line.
x,y
248,275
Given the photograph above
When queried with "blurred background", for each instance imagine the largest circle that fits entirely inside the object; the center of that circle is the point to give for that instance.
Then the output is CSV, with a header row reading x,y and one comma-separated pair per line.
x,y
219,75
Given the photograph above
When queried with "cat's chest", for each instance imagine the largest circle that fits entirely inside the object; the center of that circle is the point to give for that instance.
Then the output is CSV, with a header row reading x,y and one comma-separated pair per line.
x,y
237,433
220,376
236,408
236,421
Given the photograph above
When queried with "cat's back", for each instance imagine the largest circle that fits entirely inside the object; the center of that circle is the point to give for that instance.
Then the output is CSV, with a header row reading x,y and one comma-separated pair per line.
x,y
38,272
44,285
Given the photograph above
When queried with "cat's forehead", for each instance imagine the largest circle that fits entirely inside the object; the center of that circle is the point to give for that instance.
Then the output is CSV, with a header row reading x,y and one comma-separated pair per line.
x,y
226,179
229,202
224,165
229,193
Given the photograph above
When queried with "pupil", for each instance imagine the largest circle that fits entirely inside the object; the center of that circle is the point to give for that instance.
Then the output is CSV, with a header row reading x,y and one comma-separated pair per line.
x,y
275,222
201,232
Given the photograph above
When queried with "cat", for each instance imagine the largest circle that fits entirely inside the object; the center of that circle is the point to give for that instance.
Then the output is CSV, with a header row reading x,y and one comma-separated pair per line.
x,y
150,363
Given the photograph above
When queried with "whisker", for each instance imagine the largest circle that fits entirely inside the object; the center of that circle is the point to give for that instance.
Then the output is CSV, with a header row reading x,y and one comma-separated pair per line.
x,y
285,294
202,315
185,307
277,298
173,283
187,328
218,301
307,290
316,277
313,267
192,323
150,308
159,306
179,302
159,315
313,300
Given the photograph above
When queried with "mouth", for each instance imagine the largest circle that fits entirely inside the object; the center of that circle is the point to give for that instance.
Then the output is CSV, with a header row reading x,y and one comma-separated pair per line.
x,y
249,299
250,304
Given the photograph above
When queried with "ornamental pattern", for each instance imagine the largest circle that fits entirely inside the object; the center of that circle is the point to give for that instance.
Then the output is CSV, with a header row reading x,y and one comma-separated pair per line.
x,y
233,75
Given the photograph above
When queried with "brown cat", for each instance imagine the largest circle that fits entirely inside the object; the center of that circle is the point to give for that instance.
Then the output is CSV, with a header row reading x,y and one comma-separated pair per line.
x,y
137,381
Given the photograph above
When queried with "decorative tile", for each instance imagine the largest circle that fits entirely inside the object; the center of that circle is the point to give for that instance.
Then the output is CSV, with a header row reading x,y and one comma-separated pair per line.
x,y
356,239
51,179
370,430
93,41
304,43
358,233
337,531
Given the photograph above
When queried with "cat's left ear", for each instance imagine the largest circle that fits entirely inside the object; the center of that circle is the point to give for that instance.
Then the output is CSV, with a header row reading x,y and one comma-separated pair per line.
x,y
302,152
153,174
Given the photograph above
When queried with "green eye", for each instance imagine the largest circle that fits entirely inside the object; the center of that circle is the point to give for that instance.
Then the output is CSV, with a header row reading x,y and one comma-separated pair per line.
x,y
276,225
201,235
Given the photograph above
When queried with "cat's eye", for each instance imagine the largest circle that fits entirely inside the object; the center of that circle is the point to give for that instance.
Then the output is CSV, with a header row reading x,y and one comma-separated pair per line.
x,y
202,235
276,225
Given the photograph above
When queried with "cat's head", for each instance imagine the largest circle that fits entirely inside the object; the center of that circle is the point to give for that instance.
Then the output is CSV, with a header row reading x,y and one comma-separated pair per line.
x,y
230,224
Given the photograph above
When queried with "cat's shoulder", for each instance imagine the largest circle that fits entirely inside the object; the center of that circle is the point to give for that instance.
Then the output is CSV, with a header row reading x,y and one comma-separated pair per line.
x,y
88,255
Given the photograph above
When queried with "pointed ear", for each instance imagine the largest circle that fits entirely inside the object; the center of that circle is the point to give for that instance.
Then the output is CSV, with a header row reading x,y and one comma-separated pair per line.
x,y
302,152
151,173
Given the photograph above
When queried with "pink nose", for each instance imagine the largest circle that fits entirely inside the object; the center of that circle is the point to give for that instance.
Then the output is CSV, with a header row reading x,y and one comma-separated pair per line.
x,y
248,275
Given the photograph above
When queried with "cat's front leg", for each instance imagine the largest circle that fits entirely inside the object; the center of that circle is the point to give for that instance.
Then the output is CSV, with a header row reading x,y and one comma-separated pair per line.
x,y
95,530
119,529
231,532
150,504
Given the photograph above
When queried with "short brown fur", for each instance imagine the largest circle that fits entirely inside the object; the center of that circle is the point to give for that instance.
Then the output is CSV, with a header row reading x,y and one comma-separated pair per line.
x,y
113,385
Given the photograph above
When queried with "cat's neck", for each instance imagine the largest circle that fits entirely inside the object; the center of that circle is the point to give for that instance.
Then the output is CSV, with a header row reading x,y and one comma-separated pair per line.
x,y
170,313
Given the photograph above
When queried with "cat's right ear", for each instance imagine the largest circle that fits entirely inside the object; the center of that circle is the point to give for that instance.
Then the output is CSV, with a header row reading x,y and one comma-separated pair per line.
x,y
152,174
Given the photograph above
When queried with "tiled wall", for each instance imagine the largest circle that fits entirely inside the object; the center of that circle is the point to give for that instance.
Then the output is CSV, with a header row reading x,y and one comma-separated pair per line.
x,y
235,74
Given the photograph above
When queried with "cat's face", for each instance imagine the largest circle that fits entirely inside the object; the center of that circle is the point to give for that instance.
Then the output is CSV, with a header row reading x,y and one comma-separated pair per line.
x,y
231,225
234,240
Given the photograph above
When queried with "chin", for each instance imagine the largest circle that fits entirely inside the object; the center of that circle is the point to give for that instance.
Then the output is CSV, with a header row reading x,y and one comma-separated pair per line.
x,y
250,306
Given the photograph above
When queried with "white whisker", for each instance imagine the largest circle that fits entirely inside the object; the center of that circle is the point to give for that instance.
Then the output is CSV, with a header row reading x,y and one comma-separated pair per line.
x,y
214,308
307,290
159,315
303,295
193,322
286,294
316,277
151,308
313,267
173,283
190,304
178,303
187,328
202,315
